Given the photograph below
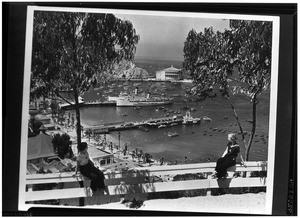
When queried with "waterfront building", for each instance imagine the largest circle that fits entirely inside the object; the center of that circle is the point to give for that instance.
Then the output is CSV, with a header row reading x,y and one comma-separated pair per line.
x,y
170,73
100,157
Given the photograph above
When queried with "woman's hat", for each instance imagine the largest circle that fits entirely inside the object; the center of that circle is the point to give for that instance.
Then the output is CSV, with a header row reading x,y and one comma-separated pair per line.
x,y
232,136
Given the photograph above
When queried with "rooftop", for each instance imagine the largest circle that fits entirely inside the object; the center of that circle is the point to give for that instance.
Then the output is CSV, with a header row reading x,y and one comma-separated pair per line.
x,y
171,69
94,152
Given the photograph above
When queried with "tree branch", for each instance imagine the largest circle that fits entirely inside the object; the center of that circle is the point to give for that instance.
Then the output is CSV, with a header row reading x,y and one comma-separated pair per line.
x,y
237,119
56,92
62,98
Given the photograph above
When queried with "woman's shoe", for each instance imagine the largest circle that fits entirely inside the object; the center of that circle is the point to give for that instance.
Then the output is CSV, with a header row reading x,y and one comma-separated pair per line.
x,y
90,191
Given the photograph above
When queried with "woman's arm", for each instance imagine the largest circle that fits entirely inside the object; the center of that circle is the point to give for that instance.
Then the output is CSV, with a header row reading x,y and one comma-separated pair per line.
x,y
76,158
242,158
76,169
225,152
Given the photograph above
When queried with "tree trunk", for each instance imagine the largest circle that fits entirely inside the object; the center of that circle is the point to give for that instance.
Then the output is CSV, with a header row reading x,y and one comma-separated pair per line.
x,y
237,120
254,103
78,123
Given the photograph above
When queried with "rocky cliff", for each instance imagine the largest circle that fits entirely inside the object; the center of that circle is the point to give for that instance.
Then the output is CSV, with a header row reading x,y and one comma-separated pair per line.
x,y
127,70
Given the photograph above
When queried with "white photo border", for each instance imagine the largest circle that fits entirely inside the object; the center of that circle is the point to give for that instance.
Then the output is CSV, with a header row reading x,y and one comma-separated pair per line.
x,y
273,93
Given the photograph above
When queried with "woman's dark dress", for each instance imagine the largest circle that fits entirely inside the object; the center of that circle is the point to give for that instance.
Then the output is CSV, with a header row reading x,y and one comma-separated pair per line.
x,y
93,173
228,160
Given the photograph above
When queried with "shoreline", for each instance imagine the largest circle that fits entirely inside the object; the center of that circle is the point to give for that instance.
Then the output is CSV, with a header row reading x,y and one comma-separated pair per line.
x,y
118,153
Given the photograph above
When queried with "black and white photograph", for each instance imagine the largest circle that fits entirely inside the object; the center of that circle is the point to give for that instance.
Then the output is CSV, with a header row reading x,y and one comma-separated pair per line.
x,y
149,110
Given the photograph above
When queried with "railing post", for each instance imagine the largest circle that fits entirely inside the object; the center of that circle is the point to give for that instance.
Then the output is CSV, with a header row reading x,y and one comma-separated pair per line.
x,y
29,188
122,188
208,193
81,200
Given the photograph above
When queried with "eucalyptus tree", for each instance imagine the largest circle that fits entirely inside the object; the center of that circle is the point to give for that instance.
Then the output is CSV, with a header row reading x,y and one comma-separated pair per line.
x,y
235,61
75,51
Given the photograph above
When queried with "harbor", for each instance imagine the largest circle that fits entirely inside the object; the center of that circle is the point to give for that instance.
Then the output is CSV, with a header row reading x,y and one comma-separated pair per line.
x,y
179,127
140,128
165,130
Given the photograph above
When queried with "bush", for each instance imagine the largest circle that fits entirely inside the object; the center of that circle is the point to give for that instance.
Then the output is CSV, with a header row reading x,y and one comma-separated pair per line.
x,y
35,126
62,145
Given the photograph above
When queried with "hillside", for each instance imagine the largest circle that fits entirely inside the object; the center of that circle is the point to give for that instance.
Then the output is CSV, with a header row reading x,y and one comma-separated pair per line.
x,y
126,70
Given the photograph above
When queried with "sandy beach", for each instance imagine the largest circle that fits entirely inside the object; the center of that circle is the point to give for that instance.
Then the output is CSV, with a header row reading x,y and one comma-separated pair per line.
x,y
109,139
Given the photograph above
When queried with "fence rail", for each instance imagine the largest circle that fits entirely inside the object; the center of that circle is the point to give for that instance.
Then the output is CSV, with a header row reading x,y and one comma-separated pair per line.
x,y
145,180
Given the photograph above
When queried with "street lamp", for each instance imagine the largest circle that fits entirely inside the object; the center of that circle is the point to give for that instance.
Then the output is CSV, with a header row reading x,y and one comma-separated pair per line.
x,y
119,137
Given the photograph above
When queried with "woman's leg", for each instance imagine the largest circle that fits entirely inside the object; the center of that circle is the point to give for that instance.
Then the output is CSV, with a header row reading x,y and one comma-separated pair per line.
x,y
220,169
98,177
87,172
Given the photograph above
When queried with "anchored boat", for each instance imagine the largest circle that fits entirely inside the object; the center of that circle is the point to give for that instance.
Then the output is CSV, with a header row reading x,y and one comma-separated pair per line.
x,y
172,134
136,100
206,118
188,119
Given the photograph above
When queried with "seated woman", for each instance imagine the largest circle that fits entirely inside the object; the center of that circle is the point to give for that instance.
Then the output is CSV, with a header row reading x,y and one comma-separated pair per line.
x,y
228,159
87,168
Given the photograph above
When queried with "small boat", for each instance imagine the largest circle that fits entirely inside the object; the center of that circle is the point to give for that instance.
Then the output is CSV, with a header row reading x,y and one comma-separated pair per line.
x,y
205,118
196,120
172,134
144,129
162,126
174,124
188,119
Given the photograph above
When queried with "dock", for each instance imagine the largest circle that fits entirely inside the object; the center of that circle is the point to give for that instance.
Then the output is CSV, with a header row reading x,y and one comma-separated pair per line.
x,y
152,122
89,104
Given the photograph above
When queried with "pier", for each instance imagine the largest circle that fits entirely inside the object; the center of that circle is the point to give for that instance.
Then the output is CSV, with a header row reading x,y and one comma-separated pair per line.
x,y
152,122
88,104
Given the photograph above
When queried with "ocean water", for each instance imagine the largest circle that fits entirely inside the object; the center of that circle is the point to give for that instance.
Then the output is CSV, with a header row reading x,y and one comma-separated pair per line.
x,y
198,141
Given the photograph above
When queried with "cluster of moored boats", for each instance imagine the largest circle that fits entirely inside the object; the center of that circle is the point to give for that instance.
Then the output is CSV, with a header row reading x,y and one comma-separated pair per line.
x,y
172,121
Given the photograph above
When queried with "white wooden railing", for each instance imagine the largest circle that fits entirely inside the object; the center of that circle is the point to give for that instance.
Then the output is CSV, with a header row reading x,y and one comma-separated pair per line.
x,y
145,180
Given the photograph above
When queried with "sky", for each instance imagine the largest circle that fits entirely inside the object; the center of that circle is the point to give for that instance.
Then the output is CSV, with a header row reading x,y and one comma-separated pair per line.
x,y
163,37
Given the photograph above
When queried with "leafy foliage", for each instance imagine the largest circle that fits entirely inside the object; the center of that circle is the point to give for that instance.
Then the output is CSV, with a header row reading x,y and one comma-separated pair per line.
x,y
236,61
75,51
71,50
35,125
242,54
252,48
208,62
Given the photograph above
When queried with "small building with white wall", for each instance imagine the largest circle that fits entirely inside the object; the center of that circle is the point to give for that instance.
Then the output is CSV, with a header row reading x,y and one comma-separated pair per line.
x,y
170,73
99,157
